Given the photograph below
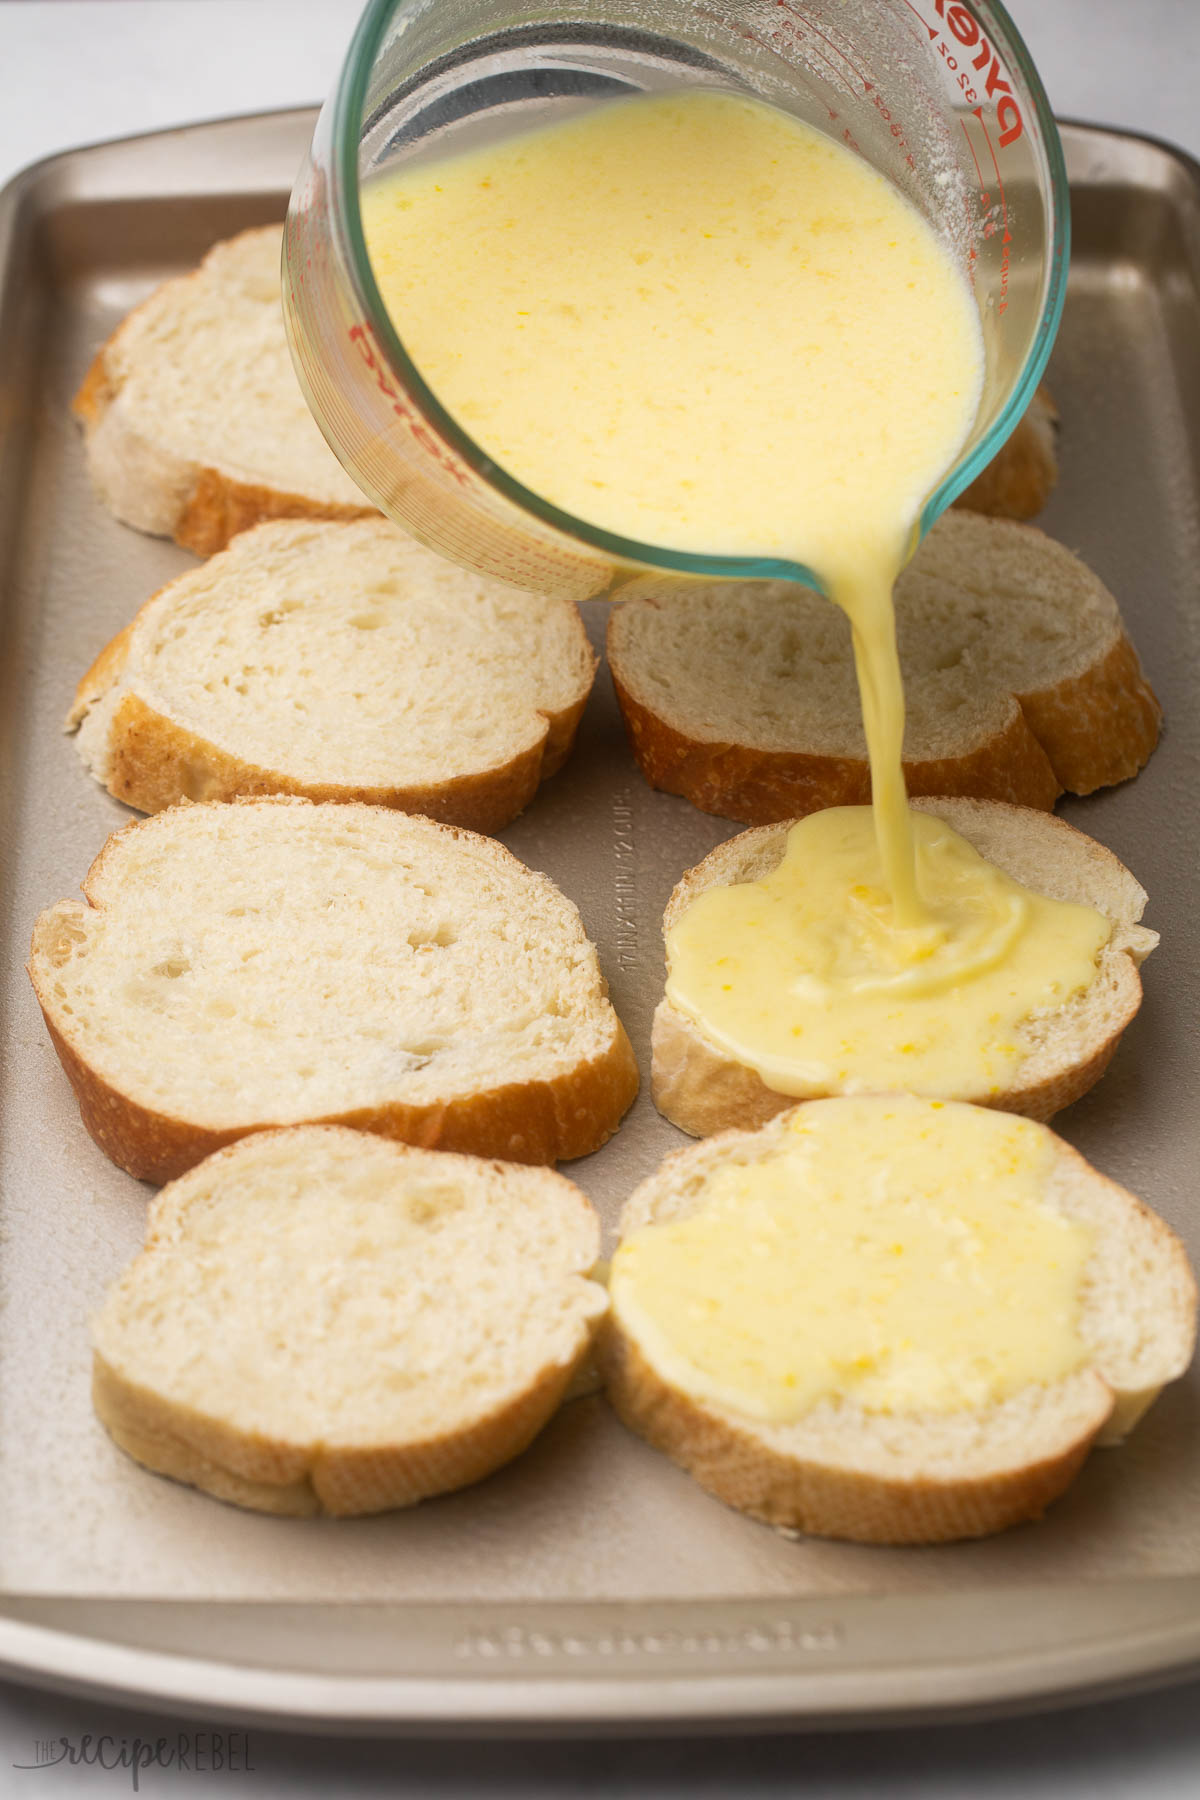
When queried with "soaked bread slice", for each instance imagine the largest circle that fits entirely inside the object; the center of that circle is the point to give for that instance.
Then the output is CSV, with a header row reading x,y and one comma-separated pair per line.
x,y
340,662
274,962
915,1476
194,421
324,1322
699,1087
1019,682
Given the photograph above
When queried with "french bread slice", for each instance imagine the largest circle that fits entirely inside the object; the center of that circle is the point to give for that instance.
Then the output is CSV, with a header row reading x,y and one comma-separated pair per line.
x,y
1020,478
843,1471
699,1088
1019,680
275,962
194,421
339,662
324,1322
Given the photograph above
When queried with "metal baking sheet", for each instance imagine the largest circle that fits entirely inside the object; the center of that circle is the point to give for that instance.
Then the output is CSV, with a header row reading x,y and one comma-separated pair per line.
x,y
591,1581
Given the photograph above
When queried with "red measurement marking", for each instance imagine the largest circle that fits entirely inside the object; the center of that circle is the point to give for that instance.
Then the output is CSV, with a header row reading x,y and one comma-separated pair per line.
x,y
931,29
786,7
829,64
978,111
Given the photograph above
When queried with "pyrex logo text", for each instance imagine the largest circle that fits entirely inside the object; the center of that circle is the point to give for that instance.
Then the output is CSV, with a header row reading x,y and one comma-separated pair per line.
x,y
966,30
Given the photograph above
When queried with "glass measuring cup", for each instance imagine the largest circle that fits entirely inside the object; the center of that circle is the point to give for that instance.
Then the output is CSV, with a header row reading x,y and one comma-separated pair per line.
x,y
940,96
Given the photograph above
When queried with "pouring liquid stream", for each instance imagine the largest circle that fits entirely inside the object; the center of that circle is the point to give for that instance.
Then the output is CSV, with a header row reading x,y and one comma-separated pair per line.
x,y
696,322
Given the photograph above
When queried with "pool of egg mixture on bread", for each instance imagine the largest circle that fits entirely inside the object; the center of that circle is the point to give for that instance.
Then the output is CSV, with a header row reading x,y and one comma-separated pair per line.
x,y
898,1254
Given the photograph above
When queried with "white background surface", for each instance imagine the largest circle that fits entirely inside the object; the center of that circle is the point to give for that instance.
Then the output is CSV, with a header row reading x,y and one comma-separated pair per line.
x,y
74,71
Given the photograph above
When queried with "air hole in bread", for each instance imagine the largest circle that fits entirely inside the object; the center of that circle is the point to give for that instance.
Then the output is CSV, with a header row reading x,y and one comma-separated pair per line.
x,y
439,939
67,939
279,613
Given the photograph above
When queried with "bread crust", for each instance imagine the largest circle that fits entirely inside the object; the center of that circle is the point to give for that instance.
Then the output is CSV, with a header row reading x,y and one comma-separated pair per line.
x,y
521,1122
1099,727
532,1121
701,1089
156,762
268,1475
1020,478
731,1461
762,787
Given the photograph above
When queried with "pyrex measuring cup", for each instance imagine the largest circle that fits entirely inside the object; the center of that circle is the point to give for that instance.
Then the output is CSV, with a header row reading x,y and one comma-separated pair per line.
x,y
941,97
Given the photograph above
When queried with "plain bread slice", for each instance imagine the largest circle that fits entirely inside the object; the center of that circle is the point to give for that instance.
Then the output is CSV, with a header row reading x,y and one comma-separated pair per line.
x,y
339,662
193,419
274,962
324,1322
1019,678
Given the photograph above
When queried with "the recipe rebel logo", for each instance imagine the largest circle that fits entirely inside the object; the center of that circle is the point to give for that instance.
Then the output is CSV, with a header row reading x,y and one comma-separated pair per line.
x,y
205,1753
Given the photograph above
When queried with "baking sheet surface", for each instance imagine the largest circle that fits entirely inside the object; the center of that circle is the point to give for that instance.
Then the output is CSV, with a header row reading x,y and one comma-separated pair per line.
x,y
589,1513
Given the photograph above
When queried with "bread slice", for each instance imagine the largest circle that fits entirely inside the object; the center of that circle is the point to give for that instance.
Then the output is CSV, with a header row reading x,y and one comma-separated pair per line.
x,y
1019,681
340,662
274,962
1020,478
323,1322
699,1088
194,421
923,1477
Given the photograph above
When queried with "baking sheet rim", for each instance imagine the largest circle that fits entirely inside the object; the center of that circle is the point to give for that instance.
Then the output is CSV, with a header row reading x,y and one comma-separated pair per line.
x,y
1046,1674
